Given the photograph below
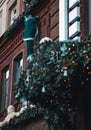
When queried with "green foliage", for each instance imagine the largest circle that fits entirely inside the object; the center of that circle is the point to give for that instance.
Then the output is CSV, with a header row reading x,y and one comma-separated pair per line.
x,y
53,77
30,115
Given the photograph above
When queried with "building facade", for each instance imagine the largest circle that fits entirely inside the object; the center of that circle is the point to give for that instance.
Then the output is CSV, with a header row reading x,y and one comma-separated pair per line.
x,y
59,20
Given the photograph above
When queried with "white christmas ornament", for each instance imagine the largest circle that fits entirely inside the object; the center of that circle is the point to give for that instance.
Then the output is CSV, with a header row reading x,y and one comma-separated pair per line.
x,y
63,49
32,106
24,107
45,39
43,89
65,73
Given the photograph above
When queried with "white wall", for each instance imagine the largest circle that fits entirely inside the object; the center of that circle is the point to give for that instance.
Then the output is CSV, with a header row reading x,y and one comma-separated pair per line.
x,y
63,26
3,17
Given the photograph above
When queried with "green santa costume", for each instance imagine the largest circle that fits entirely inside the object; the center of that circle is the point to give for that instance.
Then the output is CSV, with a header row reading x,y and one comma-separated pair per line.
x,y
30,33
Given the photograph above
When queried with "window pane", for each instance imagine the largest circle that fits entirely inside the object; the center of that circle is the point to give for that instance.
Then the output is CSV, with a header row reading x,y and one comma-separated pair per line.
x,y
5,88
19,67
21,62
18,63
7,74
74,28
77,38
72,2
74,13
13,14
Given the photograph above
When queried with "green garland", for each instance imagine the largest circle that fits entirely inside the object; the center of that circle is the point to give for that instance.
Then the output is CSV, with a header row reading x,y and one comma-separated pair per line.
x,y
28,116
58,71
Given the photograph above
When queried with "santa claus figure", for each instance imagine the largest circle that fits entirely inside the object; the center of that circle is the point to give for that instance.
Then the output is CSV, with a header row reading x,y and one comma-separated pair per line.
x,y
30,33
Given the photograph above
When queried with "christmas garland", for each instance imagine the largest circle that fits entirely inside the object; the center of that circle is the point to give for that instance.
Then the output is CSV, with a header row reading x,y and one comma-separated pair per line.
x,y
53,78
30,115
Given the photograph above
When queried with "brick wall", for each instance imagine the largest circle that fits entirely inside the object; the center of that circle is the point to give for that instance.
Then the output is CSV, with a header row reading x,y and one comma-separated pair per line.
x,y
54,19
49,20
84,18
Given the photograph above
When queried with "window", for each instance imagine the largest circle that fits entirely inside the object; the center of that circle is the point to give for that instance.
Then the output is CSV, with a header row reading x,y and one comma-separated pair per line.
x,y
72,2
18,68
0,22
74,29
13,14
75,13
5,87
74,19
69,20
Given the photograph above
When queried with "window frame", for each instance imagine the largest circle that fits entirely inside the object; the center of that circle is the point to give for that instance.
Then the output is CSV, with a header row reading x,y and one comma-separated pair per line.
x,y
75,20
5,88
18,67
10,5
15,77
13,16
64,23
